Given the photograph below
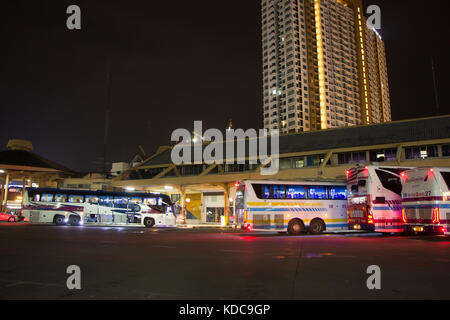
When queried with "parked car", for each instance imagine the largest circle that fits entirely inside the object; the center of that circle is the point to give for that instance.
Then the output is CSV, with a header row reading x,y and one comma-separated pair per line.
x,y
8,217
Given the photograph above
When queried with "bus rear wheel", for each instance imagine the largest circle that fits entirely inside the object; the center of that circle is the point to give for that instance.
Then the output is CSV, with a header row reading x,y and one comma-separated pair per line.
x,y
316,226
296,227
74,221
149,222
59,220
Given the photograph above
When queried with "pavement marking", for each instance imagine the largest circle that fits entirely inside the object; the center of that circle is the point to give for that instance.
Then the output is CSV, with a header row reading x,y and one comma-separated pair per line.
x,y
442,260
109,242
22,282
235,251
167,247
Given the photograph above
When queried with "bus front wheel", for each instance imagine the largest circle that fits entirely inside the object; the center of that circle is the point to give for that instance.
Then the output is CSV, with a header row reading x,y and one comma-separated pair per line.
x,y
296,227
316,226
149,222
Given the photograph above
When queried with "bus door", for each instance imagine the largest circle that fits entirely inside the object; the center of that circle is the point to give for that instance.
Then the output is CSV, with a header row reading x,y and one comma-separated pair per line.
x,y
359,216
105,208
241,214
91,209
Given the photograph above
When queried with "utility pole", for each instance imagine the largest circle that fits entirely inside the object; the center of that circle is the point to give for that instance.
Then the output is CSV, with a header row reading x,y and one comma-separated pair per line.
x,y
436,96
107,116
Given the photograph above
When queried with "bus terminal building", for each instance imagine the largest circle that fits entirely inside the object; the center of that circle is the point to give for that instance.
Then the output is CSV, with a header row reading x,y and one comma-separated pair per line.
x,y
205,192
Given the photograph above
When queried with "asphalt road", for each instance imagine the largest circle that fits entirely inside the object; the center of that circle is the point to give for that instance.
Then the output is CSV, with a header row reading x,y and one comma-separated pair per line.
x,y
138,263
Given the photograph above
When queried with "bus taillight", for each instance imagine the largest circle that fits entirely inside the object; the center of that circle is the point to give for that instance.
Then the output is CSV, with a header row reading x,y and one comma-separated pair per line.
x,y
369,215
436,216
404,215
404,176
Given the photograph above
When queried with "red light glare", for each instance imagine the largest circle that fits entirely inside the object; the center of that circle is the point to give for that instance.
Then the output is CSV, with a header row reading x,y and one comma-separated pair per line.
x,y
404,216
436,216
248,228
403,176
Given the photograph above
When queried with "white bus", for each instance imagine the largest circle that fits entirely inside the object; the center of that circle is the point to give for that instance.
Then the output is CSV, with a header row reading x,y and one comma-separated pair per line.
x,y
375,198
426,200
75,207
293,207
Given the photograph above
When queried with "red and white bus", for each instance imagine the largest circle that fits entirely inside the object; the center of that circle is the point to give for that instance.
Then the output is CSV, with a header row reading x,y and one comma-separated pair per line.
x,y
374,198
77,207
426,200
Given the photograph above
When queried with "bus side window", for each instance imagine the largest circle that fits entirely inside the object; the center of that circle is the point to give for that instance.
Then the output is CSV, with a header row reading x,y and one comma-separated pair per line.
x,y
446,177
76,198
296,192
390,181
60,198
337,192
136,200
91,199
317,192
47,197
150,201
279,192
106,201
120,202
267,192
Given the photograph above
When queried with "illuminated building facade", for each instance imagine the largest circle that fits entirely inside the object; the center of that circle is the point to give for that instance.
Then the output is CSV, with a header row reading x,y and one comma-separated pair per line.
x,y
322,66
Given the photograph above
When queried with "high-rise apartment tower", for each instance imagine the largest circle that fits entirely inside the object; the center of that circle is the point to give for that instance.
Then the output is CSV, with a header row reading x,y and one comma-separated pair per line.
x,y
323,67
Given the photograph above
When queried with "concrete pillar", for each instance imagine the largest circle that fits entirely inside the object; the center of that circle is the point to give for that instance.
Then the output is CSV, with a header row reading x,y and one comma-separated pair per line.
x,y
226,195
202,209
5,194
182,190
24,185
2,181
183,205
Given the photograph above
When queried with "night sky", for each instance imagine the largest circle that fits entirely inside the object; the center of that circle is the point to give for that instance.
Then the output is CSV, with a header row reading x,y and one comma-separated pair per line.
x,y
172,62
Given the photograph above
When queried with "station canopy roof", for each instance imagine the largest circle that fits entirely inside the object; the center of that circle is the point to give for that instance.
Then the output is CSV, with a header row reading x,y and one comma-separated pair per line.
x,y
358,136
19,157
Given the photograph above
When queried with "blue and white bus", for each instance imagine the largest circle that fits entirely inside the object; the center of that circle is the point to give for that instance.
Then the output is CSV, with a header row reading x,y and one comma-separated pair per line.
x,y
75,207
293,207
